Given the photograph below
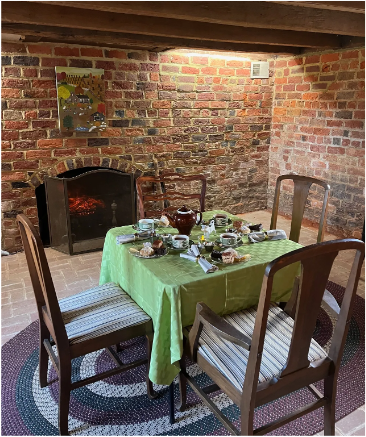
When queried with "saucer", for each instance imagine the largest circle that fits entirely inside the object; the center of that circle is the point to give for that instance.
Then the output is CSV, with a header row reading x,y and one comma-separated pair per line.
x,y
171,247
238,244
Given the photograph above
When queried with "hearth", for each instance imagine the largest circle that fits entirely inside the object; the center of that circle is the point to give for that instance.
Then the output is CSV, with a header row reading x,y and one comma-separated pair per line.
x,y
81,209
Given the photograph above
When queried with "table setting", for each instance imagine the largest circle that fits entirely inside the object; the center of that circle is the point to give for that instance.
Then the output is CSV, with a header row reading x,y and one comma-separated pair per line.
x,y
216,263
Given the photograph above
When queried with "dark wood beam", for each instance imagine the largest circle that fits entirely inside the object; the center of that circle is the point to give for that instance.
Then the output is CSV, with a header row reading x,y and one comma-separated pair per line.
x,y
123,40
61,16
269,15
357,7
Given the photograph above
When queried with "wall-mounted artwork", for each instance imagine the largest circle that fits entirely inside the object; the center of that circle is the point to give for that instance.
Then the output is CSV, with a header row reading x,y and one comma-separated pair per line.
x,y
80,99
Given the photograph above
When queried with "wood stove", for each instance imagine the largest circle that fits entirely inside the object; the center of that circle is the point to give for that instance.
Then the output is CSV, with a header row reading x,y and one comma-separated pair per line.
x,y
82,209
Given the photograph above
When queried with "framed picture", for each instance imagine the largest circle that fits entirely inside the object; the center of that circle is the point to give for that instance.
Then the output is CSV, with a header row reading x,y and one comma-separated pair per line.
x,y
80,99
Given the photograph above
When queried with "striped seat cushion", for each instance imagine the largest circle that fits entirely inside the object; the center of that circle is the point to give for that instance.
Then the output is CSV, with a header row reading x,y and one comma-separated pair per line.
x,y
231,360
99,311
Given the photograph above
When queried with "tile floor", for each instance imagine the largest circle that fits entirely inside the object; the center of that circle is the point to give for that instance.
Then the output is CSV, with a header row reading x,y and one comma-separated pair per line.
x,y
72,274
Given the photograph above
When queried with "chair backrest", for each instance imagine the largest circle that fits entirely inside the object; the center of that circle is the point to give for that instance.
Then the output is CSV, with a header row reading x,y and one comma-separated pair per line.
x,y
40,274
156,192
316,262
302,185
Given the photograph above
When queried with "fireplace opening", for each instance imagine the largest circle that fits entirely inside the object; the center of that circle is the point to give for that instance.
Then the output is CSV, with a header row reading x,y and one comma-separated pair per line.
x,y
78,207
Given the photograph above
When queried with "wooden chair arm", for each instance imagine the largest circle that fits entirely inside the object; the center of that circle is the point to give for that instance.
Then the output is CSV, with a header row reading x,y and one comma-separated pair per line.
x,y
222,328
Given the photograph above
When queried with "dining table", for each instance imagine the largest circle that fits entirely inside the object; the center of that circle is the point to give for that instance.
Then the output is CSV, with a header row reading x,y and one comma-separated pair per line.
x,y
168,288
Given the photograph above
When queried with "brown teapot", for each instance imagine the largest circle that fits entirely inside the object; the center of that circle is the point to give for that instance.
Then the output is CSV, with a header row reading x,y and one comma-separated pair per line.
x,y
184,220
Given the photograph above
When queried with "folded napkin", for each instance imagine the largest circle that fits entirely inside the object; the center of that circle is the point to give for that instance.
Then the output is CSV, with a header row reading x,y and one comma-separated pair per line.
x,y
129,238
274,234
193,254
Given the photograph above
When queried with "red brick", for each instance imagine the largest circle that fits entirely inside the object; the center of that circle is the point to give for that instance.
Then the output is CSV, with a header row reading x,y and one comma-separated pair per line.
x,y
15,83
40,48
350,55
209,70
53,62
10,135
14,176
190,70
178,59
75,142
50,144
47,104
329,57
65,152
7,47
33,135
66,51
199,60
11,71
15,124
38,154
30,72
161,104
30,114
336,150
35,93
25,165
310,96
226,72
10,156
92,52
10,93
45,84
89,151
44,124
312,59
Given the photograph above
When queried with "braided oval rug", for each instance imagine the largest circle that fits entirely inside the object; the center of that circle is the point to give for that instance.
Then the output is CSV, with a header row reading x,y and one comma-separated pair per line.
x,y
120,406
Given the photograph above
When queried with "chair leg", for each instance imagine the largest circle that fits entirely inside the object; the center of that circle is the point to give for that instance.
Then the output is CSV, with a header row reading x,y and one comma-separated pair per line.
x,y
43,355
150,389
330,391
246,420
64,397
182,387
171,404
119,348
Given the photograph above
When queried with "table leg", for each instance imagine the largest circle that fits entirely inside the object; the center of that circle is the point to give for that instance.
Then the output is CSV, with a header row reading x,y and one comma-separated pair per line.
x,y
171,403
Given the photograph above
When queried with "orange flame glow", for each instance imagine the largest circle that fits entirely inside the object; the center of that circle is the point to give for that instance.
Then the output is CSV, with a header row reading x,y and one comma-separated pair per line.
x,y
84,205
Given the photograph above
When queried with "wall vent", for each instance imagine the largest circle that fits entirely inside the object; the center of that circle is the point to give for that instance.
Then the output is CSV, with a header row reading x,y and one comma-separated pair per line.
x,y
259,70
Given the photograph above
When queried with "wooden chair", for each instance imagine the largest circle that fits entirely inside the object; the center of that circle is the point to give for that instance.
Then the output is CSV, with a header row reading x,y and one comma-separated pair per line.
x,y
259,355
165,193
302,186
86,322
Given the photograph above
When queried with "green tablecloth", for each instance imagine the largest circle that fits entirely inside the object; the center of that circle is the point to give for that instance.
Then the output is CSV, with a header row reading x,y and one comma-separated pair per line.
x,y
169,288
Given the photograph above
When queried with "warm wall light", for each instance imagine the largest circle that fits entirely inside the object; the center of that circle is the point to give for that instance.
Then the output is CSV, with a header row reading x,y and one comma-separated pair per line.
x,y
213,54
217,56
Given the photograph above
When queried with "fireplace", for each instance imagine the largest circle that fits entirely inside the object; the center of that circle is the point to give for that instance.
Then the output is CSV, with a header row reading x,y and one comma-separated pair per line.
x,y
81,209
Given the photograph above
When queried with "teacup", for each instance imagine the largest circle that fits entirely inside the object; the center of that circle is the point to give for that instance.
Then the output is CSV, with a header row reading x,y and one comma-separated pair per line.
x,y
229,239
146,224
221,219
180,241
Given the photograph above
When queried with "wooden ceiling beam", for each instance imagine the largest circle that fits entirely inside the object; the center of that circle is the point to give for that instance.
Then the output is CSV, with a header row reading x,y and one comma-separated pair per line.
x,y
269,15
123,40
356,7
60,16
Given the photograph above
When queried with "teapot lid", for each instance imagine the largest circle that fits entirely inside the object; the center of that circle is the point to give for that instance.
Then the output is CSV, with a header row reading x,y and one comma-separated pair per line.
x,y
184,210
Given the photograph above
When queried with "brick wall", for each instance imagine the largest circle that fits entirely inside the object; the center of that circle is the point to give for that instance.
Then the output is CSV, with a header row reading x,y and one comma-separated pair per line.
x,y
318,130
192,111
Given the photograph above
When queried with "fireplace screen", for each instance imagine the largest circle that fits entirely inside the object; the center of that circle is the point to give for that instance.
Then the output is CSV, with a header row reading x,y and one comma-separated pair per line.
x,y
82,209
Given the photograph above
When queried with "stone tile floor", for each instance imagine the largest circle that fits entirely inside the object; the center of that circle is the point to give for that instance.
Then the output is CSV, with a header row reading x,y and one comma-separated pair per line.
x,y
73,274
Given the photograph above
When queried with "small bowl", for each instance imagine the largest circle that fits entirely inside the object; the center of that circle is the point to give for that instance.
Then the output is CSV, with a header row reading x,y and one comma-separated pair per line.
x,y
209,247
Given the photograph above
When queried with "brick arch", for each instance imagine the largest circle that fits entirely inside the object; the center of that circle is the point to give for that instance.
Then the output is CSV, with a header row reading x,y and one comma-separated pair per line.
x,y
71,163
